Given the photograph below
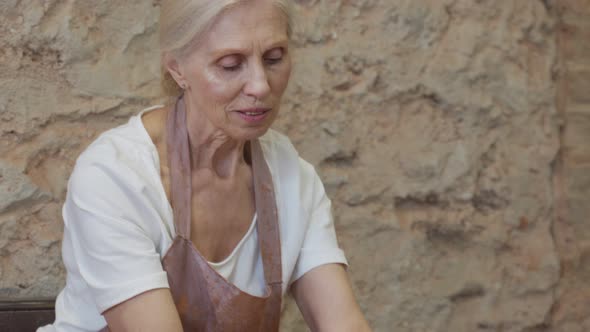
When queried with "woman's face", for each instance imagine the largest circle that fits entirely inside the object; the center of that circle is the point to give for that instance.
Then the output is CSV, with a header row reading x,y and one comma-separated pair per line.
x,y
238,72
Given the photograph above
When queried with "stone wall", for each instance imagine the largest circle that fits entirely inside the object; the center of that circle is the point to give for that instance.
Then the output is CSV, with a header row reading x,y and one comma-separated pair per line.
x,y
451,136
572,172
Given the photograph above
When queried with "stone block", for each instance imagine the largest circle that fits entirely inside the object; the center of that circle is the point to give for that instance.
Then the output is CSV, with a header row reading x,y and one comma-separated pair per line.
x,y
577,138
577,45
574,11
578,191
16,189
579,82
578,179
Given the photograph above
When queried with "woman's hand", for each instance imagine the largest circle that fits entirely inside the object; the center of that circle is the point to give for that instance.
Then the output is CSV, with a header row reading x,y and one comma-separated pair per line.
x,y
324,296
153,310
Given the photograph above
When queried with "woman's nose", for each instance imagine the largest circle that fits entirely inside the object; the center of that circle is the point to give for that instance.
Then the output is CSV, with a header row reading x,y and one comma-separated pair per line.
x,y
257,84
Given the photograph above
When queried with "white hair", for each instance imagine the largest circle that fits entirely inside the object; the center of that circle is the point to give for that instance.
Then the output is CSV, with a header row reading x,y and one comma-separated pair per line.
x,y
183,22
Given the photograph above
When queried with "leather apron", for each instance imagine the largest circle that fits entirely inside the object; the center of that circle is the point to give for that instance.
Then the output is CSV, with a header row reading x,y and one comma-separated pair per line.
x,y
205,300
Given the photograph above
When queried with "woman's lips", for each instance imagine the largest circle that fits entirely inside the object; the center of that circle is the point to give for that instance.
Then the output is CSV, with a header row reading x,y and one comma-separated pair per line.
x,y
253,115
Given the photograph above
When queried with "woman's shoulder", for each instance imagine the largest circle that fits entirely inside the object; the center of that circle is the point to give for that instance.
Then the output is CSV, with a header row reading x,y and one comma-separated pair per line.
x,y
125,155
115,184
285,162
120,144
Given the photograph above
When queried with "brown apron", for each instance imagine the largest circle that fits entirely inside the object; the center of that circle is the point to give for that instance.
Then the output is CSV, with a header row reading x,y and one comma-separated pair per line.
x,y
205,300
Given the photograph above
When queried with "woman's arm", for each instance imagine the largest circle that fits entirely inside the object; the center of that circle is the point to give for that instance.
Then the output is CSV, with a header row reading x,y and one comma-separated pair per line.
x,y
153,310
324,296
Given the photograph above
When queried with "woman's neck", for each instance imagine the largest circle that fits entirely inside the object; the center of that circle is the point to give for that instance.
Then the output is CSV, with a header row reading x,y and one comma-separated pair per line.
x,y
211,148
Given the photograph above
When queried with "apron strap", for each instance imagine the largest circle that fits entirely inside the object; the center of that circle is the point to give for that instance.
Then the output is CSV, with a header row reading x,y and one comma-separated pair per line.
x,y
268,225
179,168
268,235
266,209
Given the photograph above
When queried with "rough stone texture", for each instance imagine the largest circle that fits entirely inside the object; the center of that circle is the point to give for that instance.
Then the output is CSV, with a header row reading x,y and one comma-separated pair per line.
x,y
572,171
451,135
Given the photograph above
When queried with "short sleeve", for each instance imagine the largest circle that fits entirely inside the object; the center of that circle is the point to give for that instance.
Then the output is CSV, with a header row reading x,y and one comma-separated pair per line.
x,y
112,249
320,245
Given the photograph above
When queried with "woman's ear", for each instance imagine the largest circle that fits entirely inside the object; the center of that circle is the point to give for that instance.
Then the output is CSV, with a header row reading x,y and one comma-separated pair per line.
x,y
173,67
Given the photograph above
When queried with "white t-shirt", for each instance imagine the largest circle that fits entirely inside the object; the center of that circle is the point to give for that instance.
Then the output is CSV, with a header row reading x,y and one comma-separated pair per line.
x,y
119,225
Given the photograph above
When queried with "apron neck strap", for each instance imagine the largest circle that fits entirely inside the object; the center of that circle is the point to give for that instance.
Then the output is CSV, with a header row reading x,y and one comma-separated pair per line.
x,y
179,168
181,192
268,223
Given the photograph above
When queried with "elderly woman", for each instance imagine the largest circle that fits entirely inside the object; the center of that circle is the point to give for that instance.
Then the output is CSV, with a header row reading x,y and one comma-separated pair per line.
x,y
197,216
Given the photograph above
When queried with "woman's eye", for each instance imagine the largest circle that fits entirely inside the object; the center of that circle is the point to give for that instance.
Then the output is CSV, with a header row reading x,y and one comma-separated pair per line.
x,y
231,67
230,63
274,56
272,61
